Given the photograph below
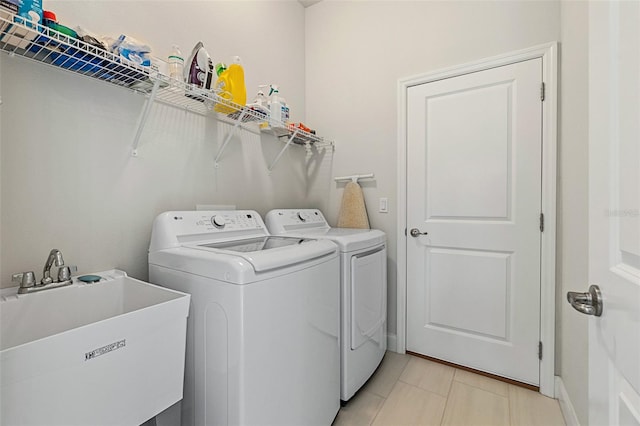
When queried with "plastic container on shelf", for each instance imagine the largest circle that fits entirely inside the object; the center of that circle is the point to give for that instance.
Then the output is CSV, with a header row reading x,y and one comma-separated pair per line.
x,y
278,108
8,8
48,38
57,44
26,13
259,106
175,62
49,18
220,68
230,86
261,100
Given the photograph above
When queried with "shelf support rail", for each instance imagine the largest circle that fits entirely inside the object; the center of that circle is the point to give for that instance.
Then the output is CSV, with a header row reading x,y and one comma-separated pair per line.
x,y
144,115
228,137
275,161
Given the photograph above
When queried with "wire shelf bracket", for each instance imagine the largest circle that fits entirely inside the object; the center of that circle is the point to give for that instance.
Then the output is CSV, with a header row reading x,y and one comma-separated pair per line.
x,y
275,160
227,138
144,115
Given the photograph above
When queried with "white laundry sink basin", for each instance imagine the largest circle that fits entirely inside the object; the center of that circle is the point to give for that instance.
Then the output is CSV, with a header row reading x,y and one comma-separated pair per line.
x,y
111,352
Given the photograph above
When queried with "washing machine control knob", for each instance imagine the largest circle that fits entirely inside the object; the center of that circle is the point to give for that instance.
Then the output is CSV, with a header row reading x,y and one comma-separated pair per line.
x,y
218,221
303,216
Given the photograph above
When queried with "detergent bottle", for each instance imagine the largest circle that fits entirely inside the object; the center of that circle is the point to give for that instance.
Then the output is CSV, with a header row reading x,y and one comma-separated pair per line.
x,y
230,86
220,68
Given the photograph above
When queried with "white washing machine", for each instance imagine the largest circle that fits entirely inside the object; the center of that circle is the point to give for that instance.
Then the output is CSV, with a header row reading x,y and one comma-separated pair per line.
x,y
363,255
263,328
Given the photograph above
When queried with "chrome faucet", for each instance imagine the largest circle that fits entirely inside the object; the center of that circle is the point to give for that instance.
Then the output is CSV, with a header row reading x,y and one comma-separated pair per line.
x,y
54,256
27,280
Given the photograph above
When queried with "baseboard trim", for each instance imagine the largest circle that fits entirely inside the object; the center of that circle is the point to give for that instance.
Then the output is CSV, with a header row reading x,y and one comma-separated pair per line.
x,y
569,414
392,342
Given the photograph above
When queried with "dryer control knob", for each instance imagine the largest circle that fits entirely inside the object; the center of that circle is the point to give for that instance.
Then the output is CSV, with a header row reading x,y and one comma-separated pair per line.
x,y
303,216
218,221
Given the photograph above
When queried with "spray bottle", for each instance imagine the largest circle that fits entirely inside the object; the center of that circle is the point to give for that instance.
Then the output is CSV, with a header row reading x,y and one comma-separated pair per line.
x,y
278,108
260,104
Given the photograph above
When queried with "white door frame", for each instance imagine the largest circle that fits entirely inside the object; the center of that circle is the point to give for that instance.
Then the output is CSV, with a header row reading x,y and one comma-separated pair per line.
x,y
549,54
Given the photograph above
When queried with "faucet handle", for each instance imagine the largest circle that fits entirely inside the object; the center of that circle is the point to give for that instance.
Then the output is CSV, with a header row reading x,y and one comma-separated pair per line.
x,y
64,273
26,279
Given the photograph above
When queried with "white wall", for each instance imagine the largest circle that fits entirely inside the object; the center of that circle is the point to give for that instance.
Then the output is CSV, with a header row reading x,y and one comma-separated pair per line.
x,y
573,225
67,178
357,51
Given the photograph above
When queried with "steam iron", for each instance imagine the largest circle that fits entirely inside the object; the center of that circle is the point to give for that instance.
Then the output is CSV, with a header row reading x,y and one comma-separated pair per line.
x,y
200,71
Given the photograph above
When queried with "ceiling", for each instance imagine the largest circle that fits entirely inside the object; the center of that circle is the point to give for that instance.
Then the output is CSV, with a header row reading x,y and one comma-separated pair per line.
x,y
307,3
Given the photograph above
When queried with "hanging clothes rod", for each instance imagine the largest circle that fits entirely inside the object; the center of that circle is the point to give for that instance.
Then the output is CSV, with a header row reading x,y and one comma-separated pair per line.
x,y
354,178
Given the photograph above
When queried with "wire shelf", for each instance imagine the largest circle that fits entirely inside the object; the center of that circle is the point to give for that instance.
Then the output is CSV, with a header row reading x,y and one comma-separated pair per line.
x,y
42,44
45,45
301,137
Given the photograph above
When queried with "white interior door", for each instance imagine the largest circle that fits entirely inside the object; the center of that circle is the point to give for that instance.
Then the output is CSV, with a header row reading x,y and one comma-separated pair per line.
x,y
614,211
474,147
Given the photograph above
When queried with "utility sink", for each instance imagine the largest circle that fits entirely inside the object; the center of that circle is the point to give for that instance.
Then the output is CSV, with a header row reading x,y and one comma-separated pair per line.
x,y
107,353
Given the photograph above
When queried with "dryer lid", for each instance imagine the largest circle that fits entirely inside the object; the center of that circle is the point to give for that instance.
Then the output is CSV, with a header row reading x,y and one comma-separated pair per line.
x,y
348,239
311,223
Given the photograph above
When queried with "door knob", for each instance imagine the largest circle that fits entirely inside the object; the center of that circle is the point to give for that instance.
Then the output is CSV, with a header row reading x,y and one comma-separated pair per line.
x,y
589,303
415,232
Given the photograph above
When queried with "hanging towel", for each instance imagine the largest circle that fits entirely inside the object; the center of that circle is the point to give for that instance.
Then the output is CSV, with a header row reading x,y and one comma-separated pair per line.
x,y
353,212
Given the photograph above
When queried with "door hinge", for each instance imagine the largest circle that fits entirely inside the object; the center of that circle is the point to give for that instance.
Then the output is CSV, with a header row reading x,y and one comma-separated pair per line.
x,y
541,222
542,91
540,351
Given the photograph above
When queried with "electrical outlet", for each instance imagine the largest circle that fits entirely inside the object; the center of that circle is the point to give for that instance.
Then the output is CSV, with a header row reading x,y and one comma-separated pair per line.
x,y
384,205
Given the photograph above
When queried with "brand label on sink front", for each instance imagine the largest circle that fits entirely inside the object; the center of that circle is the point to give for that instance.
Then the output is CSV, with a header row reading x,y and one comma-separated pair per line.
x,y
105,349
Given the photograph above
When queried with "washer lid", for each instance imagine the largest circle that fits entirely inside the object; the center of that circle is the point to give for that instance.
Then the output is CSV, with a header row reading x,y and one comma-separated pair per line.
x,y
244,267
267,253
256,244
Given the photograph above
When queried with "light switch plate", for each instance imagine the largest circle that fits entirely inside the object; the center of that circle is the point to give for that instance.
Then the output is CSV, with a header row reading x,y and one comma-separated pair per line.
x,y
384,205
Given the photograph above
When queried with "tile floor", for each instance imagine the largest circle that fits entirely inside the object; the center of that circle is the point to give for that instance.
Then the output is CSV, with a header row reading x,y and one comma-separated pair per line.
x,y
407,390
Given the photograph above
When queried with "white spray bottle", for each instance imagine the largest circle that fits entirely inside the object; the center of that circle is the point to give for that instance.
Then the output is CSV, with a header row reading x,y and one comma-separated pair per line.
x,y
260,104
278,108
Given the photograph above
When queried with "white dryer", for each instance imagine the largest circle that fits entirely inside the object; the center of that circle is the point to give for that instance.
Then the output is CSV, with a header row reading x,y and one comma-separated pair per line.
x,y
263,329
363,255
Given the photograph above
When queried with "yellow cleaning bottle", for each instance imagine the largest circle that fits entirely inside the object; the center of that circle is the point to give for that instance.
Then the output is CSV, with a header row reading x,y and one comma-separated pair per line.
x,y
230,86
